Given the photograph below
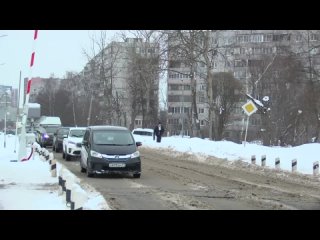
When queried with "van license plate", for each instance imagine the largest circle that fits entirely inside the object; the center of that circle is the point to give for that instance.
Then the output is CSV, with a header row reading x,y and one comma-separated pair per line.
x,y
117,164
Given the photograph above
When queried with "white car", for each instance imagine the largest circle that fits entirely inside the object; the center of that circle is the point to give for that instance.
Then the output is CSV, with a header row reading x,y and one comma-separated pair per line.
x,y
143,131
71,145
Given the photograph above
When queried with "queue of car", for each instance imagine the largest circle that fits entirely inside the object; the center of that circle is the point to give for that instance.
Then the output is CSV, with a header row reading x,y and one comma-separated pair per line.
x,y
101,149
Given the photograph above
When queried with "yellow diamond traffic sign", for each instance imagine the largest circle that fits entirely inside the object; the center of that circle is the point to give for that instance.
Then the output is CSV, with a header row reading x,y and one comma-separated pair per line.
x,y
249,108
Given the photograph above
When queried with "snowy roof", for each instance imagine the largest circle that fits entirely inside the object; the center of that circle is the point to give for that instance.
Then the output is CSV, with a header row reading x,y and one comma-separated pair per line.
x,y
44,120
144,129
33,105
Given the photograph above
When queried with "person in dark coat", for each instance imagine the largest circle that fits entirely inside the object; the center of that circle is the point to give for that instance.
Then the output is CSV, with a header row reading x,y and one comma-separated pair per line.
x,y
158,131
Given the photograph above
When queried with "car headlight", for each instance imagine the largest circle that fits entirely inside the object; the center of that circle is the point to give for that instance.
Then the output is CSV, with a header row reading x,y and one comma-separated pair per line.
x,y
46,136
70,142
95,154
135,154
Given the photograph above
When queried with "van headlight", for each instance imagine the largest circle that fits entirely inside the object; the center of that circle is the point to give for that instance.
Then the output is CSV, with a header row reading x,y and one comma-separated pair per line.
x,y
135,154
95,154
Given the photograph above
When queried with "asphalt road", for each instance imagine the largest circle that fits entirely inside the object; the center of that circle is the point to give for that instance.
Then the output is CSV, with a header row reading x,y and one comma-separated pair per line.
x,y
173,181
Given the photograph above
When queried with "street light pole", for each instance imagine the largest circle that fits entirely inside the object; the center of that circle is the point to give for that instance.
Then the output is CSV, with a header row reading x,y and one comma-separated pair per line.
x,y
5,121
182,108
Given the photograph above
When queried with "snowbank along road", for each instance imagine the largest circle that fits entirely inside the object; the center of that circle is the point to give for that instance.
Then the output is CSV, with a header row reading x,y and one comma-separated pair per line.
x,y
172,180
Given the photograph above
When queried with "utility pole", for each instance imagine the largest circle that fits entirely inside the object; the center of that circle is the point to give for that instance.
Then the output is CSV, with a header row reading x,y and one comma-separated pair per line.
x,y
90,107
5,119
5,124
182,103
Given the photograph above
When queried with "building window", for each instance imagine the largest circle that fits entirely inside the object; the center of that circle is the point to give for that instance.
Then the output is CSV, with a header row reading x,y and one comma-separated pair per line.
x,y
202,123
215,65
174,64
187,87
203,87
298,38
314,37
201,99
186,110
239,63
236,50
201,110
173,87
174,121
138,122
257,38
268,38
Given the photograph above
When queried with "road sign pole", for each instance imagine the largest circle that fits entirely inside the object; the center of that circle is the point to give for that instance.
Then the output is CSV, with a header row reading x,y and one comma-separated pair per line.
x,y
245,137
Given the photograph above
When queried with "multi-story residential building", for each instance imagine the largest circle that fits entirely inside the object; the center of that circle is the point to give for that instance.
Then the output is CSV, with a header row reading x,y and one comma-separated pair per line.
x,y
240,52
110,79
6,104
38,84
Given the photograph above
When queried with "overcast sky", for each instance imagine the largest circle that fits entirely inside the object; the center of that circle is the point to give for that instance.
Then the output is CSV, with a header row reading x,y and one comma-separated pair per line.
x,y
57,51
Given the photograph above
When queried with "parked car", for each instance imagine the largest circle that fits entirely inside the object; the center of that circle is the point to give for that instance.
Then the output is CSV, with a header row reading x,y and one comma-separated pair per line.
x,y
143,131
110,149
71,145
58,136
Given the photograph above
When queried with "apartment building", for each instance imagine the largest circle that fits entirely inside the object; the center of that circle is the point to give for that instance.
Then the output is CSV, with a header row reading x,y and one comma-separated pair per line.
x,y
110,78
241,53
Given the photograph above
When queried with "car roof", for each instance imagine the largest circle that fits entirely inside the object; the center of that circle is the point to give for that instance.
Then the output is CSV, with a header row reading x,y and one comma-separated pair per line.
x,y
77,128
107,127
143,129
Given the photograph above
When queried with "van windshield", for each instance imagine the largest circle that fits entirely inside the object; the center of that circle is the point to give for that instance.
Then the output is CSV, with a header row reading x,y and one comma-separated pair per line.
x,y
112,137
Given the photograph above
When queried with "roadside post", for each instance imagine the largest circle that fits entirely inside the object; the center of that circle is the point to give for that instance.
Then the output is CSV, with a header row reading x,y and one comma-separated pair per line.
x,y
249,108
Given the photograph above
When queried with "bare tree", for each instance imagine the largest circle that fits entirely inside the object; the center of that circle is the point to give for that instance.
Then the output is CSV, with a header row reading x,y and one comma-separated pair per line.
x,y
99,78
144,69
184,51
225,95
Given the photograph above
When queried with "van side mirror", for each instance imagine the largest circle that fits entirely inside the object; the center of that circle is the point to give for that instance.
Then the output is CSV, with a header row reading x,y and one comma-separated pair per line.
x,y
84,143
138,144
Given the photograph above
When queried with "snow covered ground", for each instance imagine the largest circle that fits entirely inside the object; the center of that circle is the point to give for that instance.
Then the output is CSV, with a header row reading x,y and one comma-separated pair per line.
x,y
29,185
305,154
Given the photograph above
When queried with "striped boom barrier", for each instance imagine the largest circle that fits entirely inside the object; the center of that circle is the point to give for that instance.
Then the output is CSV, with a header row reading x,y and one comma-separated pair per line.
x,y
316,168
277,163
253,159
294,164
263,160
22,139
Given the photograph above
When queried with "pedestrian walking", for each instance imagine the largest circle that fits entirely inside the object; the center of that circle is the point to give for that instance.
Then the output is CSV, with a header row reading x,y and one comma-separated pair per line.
x,y
157,132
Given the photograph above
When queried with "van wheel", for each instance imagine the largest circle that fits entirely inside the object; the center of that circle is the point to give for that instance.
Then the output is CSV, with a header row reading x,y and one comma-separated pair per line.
x,y
63,155
136,175
89,173
68,157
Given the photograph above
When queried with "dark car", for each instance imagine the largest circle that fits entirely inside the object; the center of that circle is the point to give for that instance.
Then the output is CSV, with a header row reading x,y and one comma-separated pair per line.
x,y
58,136
110,149
44,135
